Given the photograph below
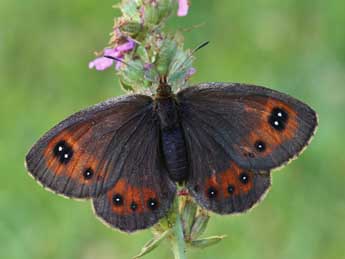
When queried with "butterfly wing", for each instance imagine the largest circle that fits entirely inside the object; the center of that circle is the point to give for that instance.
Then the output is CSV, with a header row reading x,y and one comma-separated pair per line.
x,y
108,152
80,156
236,134
215,180
144,193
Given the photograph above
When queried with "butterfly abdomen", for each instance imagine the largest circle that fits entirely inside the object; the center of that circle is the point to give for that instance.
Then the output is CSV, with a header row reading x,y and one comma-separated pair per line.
x,y
172,140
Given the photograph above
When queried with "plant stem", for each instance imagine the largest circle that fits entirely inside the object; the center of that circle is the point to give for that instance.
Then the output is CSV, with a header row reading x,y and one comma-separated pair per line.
x,y
177,241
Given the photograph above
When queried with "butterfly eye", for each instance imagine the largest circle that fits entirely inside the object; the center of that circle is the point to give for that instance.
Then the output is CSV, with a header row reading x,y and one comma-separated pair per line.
x,y
117,200
63,152
88,174
278,118
212,192
244,178
152,203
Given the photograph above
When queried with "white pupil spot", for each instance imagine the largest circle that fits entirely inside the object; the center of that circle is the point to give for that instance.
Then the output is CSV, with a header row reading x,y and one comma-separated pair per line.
x,y
276,123
60,148
279,114
65,156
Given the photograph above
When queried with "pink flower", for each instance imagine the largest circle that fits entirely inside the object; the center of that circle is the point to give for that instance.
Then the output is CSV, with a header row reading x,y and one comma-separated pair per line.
x,y
103,63
183,6
190,72
129,45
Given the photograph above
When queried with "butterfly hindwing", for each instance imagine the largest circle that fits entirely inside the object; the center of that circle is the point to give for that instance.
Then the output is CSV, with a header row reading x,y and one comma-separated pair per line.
x,y
258,127
216,181
145,193
82,156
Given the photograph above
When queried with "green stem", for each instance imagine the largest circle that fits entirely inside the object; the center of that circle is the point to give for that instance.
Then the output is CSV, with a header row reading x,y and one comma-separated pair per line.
x,y
177,241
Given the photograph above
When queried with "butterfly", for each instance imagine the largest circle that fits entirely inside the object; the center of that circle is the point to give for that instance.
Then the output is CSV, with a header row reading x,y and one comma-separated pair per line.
x,y
127,154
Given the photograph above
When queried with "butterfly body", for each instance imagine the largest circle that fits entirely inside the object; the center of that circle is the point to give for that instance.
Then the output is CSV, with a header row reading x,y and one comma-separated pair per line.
x,y
172,139
126,154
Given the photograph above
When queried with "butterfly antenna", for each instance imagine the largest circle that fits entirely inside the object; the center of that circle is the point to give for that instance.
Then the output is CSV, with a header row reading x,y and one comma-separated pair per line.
x,y
200,46
121,61
197,48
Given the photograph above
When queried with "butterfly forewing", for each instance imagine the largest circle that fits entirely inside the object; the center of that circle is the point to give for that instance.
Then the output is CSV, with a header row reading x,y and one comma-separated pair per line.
x,y
81,157
258,127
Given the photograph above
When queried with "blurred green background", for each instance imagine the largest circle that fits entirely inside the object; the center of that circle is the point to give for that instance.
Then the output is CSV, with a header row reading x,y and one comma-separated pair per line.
x,y
295,46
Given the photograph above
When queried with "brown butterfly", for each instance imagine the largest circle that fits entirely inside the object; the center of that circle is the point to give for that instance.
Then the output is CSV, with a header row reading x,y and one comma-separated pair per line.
x,y
128,153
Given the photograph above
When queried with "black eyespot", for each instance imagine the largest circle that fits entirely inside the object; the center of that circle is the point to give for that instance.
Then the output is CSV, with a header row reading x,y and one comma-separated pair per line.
x,y
212,192
63,151
196,188
134,206
231,189
152,203
244,178
88,174
278,118
260,146
118,200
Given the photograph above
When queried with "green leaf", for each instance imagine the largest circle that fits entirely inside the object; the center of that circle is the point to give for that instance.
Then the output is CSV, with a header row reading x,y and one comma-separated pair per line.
x,y
152,244
188,212
206,242
199,225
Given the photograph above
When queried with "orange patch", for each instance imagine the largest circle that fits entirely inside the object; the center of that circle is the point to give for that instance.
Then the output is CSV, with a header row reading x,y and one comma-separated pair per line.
x,y
80,160
129,195
231,176
264,132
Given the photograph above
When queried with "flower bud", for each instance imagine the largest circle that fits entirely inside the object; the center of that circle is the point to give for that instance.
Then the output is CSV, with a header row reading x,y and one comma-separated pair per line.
x,y
166,54
154,12
131,74
131,29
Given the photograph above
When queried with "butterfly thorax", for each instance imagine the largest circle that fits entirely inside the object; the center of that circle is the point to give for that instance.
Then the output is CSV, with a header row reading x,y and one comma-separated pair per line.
x,y
164,89
172,139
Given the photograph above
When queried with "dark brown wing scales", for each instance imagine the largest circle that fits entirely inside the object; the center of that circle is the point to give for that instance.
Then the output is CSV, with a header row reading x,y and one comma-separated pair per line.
x,y
144,193
259,128
233,190
80,156
215,180
235,134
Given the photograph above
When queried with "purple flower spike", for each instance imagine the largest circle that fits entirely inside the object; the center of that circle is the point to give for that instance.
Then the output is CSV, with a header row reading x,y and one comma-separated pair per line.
x,y
103,63
183,7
